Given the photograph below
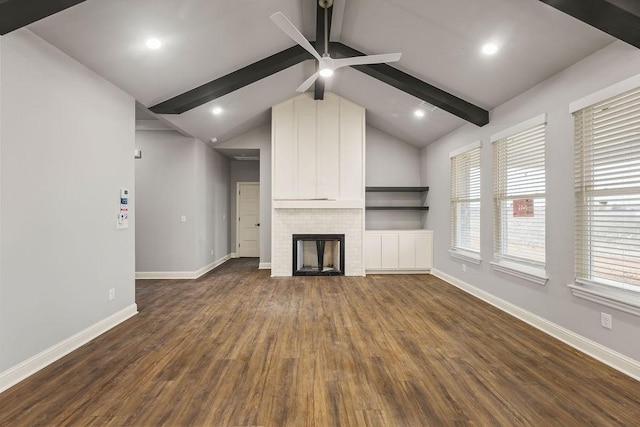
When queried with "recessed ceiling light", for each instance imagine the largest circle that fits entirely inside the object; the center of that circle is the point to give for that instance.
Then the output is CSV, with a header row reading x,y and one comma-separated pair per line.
x,y
217,110
489,49
326,72
418,113
153,43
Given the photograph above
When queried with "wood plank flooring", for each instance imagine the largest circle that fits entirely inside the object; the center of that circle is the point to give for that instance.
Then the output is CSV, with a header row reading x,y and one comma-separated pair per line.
x,y
237,348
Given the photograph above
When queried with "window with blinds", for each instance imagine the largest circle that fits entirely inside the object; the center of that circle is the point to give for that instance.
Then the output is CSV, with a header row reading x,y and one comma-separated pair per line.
x,y
607,184
519,194
465,199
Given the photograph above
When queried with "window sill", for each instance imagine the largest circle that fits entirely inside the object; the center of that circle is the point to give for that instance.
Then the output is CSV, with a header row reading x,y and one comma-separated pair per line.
x,y
532,274
468,256
620,299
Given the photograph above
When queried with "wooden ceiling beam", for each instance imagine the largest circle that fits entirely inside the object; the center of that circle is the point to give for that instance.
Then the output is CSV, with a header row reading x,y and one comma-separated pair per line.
x,y
621,23
418,88
16,14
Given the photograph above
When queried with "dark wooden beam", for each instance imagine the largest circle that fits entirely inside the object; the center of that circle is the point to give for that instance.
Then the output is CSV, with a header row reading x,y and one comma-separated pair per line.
x,y
319,85
619,22
16,14
232,81
416,87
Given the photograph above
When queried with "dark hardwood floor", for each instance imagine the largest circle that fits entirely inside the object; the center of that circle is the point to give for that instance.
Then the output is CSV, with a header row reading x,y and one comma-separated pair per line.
x,y
237,348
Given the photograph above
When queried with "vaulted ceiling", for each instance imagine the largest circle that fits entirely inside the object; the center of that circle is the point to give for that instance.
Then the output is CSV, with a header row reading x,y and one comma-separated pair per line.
x,y
206,42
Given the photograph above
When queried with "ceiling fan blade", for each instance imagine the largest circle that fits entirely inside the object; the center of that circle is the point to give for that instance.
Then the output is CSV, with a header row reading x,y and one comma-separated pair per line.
x,y
289,29
307,83
367,59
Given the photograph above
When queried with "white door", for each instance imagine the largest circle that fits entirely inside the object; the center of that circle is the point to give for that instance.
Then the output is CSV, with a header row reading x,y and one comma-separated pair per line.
x,y
248,230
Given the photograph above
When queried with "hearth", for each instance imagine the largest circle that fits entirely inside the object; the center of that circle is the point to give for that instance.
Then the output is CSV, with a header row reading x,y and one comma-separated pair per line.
x,y
318,254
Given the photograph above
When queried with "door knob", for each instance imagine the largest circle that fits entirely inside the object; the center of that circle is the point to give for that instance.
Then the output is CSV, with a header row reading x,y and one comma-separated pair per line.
x,y
258,225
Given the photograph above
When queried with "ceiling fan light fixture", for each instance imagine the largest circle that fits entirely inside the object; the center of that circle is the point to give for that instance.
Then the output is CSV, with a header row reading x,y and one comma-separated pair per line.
x,y
326,72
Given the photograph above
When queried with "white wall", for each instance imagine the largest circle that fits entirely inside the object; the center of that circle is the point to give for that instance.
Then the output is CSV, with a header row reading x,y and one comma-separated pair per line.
x,y
179,176
260,138
67,138
554,301
241,171
391,162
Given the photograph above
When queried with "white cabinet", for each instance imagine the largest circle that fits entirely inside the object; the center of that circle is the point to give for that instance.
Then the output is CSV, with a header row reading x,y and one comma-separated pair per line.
x,y
318,149
398,251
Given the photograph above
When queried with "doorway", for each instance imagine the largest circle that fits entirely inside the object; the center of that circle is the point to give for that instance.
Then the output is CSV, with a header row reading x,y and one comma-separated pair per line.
x,y
248,219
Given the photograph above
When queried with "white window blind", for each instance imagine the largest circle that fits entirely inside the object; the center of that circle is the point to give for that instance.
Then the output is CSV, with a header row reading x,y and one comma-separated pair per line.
x,y
607,183
519,187
465,200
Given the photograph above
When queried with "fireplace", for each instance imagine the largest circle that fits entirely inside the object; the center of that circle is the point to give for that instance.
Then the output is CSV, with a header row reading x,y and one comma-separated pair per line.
x,y
318,254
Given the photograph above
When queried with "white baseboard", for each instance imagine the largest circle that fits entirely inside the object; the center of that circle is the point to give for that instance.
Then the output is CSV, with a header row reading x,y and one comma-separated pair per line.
x,y
14,375
181,274
427,271
234,255
609,357
264,266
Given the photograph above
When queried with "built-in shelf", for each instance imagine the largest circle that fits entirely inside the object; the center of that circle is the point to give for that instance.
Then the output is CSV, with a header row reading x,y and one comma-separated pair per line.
x,y
393,207
397,208
396,189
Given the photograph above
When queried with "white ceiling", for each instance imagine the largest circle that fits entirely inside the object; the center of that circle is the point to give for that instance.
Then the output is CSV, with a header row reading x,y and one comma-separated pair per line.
x,y
207,39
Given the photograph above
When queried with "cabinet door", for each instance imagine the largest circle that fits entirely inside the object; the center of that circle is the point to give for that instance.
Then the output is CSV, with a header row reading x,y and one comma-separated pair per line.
x,y
390,251
373,251
407,251
424,251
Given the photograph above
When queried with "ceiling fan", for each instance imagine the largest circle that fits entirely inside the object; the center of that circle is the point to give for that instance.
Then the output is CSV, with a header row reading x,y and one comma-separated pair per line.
x,y
327,64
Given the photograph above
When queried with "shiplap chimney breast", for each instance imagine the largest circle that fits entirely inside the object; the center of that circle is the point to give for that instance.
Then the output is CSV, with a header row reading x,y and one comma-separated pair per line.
x,y
318,173
318,151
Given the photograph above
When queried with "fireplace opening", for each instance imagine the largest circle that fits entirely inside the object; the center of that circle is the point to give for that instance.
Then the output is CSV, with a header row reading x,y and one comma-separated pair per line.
x,y
318,254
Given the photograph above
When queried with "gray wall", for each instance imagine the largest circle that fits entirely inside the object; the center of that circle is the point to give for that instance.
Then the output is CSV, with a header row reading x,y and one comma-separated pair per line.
x,y
67,138
260,139
391,162
241,171
553,301
180,176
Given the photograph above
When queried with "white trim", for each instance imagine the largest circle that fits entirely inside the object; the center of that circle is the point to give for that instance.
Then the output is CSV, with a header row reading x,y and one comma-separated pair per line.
x,y
398,271
606,93
264,266
532,274
317,204
622,300
609,357
468,256
468,147
520,127
143,275
21,371
233,255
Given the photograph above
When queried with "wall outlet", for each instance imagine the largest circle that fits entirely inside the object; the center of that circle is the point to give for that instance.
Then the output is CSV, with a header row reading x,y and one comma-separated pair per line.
x,y
183,218
224,216
606,320
112,294
464,267
211,251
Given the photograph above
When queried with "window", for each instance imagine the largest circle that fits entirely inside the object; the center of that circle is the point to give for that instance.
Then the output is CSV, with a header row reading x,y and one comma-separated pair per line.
x,y
519,197
607,185
465,203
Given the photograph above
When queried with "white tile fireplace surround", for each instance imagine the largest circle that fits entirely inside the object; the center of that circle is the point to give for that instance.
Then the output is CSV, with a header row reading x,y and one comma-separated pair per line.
x,y
287,222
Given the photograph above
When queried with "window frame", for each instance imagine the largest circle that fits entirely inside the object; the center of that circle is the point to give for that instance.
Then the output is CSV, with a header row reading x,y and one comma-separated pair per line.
x,y
464,254
524,268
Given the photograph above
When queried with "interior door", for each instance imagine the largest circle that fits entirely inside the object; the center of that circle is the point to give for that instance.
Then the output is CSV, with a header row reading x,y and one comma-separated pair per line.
x,y
248,230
